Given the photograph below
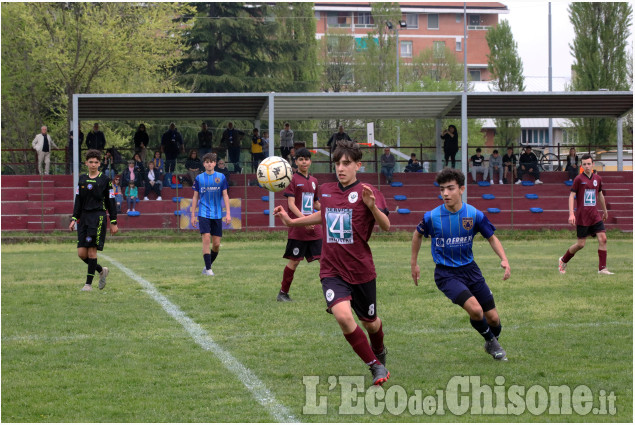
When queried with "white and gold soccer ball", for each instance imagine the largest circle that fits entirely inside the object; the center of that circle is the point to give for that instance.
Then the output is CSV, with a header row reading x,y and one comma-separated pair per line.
x,y
274,173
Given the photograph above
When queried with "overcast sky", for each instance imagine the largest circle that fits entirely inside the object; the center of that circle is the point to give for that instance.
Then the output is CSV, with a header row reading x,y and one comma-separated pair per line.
x,y
529,23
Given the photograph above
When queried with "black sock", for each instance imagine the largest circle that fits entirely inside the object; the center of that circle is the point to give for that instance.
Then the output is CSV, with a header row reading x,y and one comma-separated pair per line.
x,y
496,330
213,256
483,328
97,266
91,270
208,261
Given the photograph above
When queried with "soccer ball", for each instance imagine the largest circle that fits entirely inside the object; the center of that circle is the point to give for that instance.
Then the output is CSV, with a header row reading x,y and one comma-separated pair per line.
x,y
274,174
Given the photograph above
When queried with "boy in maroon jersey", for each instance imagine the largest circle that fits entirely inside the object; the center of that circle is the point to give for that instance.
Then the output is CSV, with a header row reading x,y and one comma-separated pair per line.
x,y
586,192
349,212
302,242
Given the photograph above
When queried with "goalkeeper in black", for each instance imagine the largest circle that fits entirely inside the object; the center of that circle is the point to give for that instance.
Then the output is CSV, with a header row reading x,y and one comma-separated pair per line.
x,y
93,196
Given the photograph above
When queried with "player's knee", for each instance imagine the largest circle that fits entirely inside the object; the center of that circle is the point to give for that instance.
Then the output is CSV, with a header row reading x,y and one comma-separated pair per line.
x,y
581,243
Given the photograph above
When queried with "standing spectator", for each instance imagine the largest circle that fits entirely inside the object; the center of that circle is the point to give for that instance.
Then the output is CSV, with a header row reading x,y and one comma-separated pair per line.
x,y
265,144
292,158
450,144
194,166
158,162
528,164
96,139
509,161
42,143
336,137
478,166
171,145
413,164
141,142
572,164
89,215
209,188
286,141
231,139
388,162
153,182
205,137
495,166
257,154
108,165
132,195
70,154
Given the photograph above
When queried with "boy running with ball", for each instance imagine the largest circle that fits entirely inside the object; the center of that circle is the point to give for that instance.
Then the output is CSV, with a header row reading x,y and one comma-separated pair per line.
x,y
302,242
349,212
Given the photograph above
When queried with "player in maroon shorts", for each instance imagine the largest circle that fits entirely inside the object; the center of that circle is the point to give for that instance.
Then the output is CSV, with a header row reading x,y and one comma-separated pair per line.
x,y
349,212
586,192
303,242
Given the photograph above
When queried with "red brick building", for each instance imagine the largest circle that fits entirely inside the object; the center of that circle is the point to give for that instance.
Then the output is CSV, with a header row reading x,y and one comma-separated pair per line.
x,y
427,25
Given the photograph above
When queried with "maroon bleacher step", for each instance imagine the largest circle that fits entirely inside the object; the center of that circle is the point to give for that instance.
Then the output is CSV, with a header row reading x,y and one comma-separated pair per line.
x,y
38,210
39,226
38,197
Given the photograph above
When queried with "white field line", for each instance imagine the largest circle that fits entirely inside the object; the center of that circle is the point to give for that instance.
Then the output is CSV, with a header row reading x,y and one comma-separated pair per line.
x,y
255,386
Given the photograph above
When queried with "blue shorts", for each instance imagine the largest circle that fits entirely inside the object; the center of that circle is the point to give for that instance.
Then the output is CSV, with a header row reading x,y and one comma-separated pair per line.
x,y
213,226
460,283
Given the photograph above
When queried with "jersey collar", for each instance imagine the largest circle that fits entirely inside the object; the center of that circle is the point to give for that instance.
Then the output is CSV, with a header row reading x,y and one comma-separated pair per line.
x,y
344,189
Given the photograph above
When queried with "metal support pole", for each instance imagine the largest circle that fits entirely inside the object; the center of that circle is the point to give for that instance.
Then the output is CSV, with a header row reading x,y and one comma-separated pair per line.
x,y
397,88
551,141
75,126
272,221
464,103
439,156
620,146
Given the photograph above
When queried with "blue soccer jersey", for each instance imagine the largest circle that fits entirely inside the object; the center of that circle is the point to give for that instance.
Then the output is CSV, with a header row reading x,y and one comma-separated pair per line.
x,y
210,190
453,233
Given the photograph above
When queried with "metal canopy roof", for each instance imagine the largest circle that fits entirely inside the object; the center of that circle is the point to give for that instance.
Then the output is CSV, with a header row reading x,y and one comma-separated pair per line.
x,y
299,106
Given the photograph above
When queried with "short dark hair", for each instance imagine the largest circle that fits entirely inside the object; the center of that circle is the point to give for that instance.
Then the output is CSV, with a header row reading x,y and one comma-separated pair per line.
x,y
413,154
348,148
211,157
478,149
495,151
303,153
586,156
450,174
255,129
93,153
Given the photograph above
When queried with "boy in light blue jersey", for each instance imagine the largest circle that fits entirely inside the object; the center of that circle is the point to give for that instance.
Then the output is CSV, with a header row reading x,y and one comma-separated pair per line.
x,y
452,227
209,187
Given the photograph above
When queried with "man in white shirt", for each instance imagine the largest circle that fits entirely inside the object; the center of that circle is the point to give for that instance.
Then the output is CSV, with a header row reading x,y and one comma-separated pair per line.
x,y
42,143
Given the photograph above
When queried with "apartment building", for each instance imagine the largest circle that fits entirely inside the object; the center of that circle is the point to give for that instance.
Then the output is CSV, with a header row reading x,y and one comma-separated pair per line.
x,y
424,25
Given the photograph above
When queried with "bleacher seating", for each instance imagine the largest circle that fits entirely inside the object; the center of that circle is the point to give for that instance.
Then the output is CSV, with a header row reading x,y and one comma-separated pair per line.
x,y
36,203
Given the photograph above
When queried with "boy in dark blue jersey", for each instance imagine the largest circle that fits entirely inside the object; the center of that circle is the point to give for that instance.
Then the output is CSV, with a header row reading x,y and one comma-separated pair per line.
x,y
209,188
452,227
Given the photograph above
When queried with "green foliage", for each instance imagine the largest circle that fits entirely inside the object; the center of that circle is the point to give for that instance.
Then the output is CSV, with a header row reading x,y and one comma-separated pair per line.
x,y
240,47
506,68
337,48
600,51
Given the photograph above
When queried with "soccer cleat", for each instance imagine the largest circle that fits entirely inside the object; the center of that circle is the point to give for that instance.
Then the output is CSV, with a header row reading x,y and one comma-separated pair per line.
x,y
605,271
562,266
382,356
102,277
493,348
537,181
87,287
159,198
208,272
519,181
282,297
380,373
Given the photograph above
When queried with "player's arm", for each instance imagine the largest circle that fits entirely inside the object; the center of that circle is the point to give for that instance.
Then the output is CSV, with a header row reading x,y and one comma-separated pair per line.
x,y
602,201
571,206
497,246
292,207
369,199
193,207
228,216
109,195
77,210
414,254
307,220
317,205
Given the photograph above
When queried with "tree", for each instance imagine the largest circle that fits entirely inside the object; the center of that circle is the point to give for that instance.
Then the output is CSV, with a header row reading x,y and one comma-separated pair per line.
x,y
51,51
506,68
239,47
336,52
600,59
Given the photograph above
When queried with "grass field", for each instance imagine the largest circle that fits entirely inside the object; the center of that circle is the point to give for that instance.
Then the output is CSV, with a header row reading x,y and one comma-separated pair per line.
x,y
164,344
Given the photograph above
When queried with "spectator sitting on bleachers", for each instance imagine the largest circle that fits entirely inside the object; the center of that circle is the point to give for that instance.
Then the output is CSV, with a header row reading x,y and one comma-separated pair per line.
x,y
572,164
158,162
478,165
495,166
153,182
221,167
528,164
194,167
413,165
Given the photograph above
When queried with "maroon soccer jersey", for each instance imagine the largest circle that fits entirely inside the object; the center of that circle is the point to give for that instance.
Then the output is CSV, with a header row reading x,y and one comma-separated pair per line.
x,y
586,190
305,191
348,224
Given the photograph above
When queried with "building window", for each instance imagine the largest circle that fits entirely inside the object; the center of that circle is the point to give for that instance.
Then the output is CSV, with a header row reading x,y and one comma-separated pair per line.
x,y
406,49
535,136
459,46
338,20
438,48
459,17
412,20
433,21
364,20
475,74
474,20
